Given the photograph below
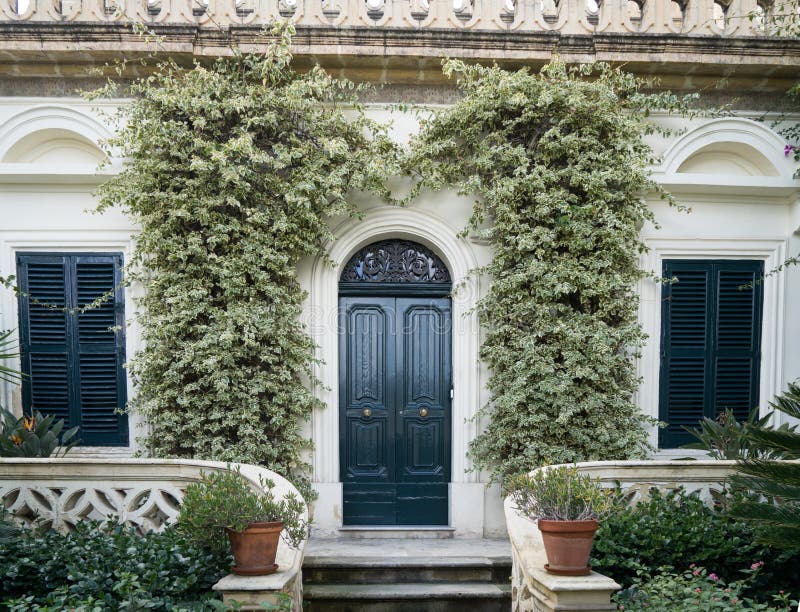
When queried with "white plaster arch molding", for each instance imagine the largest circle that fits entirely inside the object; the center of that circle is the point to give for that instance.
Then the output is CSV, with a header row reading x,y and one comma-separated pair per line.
x,y
426,228
26,137
751,156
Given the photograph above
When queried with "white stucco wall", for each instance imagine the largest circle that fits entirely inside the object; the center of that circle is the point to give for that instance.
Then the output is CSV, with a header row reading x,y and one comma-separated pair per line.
x,y
731,172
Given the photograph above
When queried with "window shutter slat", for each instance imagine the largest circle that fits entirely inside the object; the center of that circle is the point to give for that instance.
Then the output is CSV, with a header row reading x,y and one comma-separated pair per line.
x,y
49,384
734,386
687,384
46,284
99,394
737,309
688,304
94,280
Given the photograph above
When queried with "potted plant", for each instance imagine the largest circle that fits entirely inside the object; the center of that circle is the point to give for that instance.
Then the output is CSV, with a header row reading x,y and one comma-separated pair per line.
x,y
225,503
567,506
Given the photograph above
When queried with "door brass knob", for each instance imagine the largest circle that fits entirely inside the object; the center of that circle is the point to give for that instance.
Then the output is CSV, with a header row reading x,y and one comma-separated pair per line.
x,y
367,412
423,412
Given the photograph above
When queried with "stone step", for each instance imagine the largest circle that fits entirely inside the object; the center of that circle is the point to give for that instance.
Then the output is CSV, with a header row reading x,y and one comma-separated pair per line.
x,y
382,532
409,597
405,570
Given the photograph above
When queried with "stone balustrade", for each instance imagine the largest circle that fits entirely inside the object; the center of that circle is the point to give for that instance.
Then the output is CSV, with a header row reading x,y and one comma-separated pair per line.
x,y
535,590
145,494
567,17
688,43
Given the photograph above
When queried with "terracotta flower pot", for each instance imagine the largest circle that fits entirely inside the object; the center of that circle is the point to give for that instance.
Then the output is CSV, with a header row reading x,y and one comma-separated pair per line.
x,y
568,545
254,549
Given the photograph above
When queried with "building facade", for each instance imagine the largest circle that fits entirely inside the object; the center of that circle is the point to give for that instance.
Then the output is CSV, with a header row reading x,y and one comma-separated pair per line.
x,y
393,318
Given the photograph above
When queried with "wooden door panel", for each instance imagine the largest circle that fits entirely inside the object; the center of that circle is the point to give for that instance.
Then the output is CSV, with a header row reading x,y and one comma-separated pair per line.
x,y
424,397
422,355
422,503
367,350
423,449
370,503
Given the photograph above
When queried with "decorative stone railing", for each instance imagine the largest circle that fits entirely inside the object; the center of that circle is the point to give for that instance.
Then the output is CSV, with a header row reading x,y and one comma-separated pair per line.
x,y
570,17
145,494
534,590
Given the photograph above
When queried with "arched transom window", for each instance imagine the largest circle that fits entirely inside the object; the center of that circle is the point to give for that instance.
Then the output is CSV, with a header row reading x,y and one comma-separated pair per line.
x,y
396,262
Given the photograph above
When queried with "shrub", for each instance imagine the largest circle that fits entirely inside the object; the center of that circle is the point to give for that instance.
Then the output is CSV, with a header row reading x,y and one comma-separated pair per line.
x,y
34,436
695,589
557,162
226,499
233,169
107,567
675,529
558,494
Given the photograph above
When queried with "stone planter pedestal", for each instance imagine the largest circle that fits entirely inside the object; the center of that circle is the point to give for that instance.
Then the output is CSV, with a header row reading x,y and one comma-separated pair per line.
x,y
535,590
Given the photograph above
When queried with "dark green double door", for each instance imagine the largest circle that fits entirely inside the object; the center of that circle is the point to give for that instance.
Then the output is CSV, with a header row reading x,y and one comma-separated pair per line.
x,y
395,393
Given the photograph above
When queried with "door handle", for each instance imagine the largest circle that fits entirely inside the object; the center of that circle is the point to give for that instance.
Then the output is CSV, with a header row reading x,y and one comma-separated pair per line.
x,y
367,412
423,412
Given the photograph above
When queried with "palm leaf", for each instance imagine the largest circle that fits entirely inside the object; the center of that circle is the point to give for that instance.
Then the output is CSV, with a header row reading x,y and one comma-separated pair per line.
x,y
782,440
8,351
789,402
776,481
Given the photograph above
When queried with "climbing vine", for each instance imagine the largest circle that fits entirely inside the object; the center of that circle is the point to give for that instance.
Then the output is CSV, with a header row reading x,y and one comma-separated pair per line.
x,y
232,171
558,163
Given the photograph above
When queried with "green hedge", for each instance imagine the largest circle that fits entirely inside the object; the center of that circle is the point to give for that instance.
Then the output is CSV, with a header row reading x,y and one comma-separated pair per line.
x,y
675,529
107,568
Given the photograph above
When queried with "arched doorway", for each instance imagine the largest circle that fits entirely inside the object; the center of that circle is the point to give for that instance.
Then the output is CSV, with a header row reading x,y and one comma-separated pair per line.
x,y
395,391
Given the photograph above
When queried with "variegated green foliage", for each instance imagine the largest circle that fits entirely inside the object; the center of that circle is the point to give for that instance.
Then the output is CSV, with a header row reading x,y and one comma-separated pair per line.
x,y
558,163
232,172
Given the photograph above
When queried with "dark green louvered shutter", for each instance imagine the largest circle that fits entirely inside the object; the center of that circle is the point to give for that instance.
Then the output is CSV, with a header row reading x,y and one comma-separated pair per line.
x,y
710,343
74,361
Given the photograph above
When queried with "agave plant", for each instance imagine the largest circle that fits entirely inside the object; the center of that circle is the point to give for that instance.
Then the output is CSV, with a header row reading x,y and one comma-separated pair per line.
x,y
727,438
34,436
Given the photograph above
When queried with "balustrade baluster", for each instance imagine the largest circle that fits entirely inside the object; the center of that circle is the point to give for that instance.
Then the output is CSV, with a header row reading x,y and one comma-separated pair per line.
x,y
699,17
569,17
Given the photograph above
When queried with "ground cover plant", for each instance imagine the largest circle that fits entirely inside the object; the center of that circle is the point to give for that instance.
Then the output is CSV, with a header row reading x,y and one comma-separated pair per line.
x,y
232,172
674,532
557,163
696,589
110,567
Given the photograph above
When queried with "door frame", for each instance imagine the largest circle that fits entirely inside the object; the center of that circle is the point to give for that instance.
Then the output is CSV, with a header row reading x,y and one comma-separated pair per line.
x,y
462,256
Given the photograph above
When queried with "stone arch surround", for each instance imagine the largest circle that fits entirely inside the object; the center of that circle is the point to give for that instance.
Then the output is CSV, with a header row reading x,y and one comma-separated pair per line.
x,y
50,117
456,252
